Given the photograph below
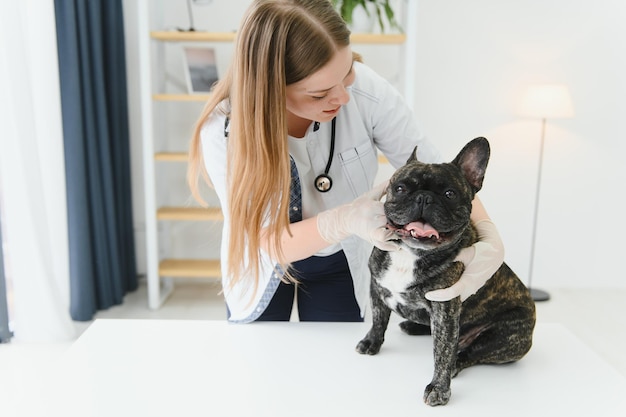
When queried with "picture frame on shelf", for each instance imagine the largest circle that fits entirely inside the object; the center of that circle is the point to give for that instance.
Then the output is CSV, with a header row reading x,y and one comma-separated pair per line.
x,y
200,69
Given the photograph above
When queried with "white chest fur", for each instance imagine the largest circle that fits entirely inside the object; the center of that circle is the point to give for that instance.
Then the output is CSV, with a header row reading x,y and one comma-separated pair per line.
x,y
398,276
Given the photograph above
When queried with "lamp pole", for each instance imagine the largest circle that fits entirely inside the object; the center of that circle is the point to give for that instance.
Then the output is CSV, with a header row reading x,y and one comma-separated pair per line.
x,y
537,295
5,332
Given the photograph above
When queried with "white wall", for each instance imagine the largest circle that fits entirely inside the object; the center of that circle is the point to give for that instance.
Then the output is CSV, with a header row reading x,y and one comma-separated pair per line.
x,y
474,59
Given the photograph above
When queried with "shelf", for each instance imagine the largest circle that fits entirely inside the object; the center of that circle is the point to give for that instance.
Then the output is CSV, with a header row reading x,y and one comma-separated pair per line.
x,y
190,268
190,213
172,36
373,38
180,97
171,156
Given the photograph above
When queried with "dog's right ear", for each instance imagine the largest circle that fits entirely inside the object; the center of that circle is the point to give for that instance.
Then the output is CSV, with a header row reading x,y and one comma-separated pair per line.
x,y
413,156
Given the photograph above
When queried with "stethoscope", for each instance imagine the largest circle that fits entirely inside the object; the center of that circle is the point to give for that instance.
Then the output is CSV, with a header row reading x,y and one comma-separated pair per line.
x,y
323,182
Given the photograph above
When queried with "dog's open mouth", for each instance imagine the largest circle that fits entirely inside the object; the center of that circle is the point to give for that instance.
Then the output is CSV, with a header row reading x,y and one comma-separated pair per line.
x,y
419,230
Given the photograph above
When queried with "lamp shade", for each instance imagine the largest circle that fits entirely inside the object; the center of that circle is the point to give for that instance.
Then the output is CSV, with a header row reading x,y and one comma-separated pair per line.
x,y
547,101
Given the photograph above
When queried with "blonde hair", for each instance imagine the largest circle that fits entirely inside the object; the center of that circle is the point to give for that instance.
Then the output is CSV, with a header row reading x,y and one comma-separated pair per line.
x,y
280,42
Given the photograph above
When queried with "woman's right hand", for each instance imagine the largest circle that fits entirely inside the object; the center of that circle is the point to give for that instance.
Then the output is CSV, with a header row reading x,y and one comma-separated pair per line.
x,y
364,217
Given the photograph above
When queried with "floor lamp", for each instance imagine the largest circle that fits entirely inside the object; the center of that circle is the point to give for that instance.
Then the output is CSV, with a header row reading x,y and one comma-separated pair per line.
x,y
545,101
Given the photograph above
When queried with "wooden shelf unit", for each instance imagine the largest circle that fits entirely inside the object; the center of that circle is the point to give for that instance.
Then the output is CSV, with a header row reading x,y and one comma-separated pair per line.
x,y
159,271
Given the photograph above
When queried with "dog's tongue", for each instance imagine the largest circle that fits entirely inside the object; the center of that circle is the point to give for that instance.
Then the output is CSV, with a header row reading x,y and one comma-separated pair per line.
x,y
420,229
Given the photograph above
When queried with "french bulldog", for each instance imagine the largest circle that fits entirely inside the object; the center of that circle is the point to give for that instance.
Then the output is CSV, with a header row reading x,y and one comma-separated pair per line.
x,y
428,208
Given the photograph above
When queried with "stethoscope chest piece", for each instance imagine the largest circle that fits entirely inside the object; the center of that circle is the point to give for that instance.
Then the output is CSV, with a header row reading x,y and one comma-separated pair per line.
x,y
323,183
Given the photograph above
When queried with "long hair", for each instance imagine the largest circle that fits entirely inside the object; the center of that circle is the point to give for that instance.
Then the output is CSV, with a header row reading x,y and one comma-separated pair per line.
x,y
280,42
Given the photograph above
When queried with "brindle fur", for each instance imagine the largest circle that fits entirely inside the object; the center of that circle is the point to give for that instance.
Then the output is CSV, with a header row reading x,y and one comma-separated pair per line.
x,y
493,326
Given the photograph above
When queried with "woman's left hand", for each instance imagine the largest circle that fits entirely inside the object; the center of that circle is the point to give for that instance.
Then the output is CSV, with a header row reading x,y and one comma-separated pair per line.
x,y
481,261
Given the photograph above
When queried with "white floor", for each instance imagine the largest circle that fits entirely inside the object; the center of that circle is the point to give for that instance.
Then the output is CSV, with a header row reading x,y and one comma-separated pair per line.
x,y
597,317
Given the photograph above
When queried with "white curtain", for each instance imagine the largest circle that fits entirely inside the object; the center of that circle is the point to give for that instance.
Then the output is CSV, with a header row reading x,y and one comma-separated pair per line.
x,y
32,178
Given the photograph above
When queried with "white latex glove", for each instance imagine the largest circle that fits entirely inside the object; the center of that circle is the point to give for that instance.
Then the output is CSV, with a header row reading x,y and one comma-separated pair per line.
x,y
481,260
364,217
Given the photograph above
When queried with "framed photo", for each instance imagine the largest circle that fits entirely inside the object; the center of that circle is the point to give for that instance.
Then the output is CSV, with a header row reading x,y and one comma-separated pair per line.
x,y
200,69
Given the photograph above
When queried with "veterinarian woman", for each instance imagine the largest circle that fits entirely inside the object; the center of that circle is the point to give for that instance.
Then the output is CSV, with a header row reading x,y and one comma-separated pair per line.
x,y
288,140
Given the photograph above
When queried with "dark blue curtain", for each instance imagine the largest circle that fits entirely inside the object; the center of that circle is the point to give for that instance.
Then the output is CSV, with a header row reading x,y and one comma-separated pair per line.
x,y
90,38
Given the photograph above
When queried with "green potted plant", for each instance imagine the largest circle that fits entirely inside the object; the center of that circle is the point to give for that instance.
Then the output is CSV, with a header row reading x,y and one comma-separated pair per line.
x,y
379,7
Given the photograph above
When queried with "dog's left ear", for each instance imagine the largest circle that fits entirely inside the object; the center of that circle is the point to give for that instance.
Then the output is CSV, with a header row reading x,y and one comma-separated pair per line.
x,y
473,160
413,156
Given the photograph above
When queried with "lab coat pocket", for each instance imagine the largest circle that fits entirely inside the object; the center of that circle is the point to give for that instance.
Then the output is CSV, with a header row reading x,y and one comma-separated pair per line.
x,y
360,166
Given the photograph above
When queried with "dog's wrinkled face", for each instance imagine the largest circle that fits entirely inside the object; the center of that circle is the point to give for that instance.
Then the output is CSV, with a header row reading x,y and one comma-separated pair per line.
x,y
428,205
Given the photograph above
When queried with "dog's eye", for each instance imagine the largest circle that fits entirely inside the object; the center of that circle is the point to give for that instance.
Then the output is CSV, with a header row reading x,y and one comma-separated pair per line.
x,y
400,189
450,194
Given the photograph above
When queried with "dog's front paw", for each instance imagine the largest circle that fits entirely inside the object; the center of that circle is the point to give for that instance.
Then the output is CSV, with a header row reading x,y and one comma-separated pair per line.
x,y
369,346
435,394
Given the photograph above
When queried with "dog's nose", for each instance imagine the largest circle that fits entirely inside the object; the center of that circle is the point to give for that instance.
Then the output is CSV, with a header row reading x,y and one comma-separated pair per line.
x,y
424,199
